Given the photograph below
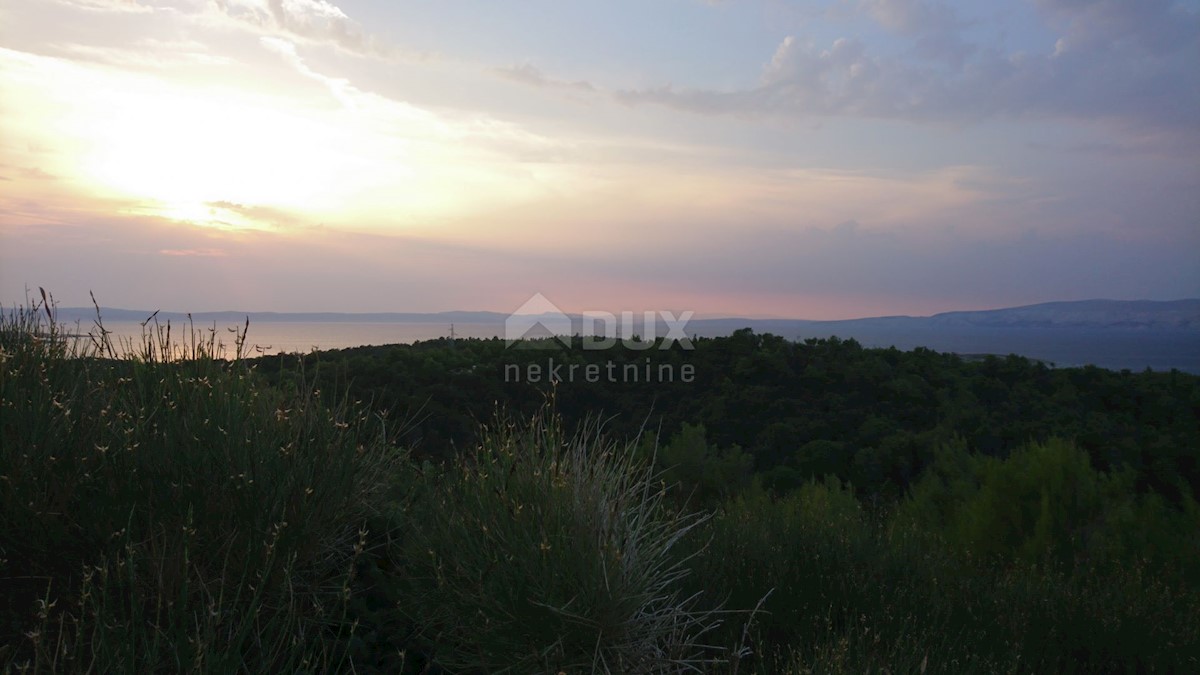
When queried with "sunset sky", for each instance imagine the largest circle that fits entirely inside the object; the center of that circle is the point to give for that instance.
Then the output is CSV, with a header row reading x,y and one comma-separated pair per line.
x,y
767,158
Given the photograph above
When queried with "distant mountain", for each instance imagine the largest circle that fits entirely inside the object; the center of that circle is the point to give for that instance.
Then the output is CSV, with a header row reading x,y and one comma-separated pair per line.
x,y
1137,314
1090,314
1085,314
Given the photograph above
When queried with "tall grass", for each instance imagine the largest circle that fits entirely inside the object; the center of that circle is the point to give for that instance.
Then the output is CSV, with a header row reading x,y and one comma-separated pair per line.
x,y
548,552
160,509
163,510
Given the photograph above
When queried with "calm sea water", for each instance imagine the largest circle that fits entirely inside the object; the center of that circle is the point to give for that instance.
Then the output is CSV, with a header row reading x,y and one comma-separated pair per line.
x,y
296,336
1108,348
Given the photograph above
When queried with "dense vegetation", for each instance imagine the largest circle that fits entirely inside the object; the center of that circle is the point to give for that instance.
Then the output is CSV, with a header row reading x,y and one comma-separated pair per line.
x,y
873,418
795,507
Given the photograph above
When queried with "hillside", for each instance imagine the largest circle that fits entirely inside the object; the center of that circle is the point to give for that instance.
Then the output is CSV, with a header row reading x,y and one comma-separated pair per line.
x,y
1147,314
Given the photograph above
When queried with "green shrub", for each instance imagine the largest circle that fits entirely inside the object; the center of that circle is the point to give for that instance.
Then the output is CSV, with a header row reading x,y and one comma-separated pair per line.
x,y
1047,504
700,473
852,592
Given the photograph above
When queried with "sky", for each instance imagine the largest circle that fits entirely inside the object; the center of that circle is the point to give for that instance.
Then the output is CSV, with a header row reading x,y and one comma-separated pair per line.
x,y
763,158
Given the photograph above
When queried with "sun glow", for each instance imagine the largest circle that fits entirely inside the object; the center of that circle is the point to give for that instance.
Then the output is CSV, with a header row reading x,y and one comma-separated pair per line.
x,y
173,150
255,154
191,151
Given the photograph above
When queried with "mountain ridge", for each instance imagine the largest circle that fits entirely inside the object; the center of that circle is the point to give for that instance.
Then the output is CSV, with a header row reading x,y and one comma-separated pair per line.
x,y
1095,313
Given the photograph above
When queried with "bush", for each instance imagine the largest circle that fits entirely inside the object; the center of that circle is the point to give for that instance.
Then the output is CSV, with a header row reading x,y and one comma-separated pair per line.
x,y
1047,504
699,472
852,592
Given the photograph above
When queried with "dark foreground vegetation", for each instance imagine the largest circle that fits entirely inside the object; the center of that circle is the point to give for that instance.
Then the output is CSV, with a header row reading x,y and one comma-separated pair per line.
x,y
795,508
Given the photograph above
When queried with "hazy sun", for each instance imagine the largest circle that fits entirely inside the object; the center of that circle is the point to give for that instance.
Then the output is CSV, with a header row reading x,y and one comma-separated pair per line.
x,y
175,150
224,155
186,153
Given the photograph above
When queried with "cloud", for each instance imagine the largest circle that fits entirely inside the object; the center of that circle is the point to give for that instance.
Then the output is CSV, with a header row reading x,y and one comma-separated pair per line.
x,y
751,269
935,27
339,87
1128,63
423,126
1155,26
145,53
1148,144
126,6
201,252
527,74
264,215
556,193
315,21
802,79
912,17
956,268
32,173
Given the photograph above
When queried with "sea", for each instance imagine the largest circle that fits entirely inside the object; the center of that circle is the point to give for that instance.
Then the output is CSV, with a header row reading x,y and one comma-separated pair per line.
x,y
1113,348
276,337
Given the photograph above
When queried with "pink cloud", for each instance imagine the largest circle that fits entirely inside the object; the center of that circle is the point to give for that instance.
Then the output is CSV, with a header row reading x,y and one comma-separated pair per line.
x,y
203,252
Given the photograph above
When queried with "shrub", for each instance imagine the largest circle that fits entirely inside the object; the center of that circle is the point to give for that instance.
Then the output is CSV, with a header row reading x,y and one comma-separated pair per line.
x,y
1047,504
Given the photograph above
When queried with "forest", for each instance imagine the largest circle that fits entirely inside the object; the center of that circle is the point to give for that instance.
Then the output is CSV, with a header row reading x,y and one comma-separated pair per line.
x,y
788,507
781,411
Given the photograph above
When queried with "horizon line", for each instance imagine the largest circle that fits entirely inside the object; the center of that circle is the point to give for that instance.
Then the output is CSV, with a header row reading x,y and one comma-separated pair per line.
x,y
149,314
